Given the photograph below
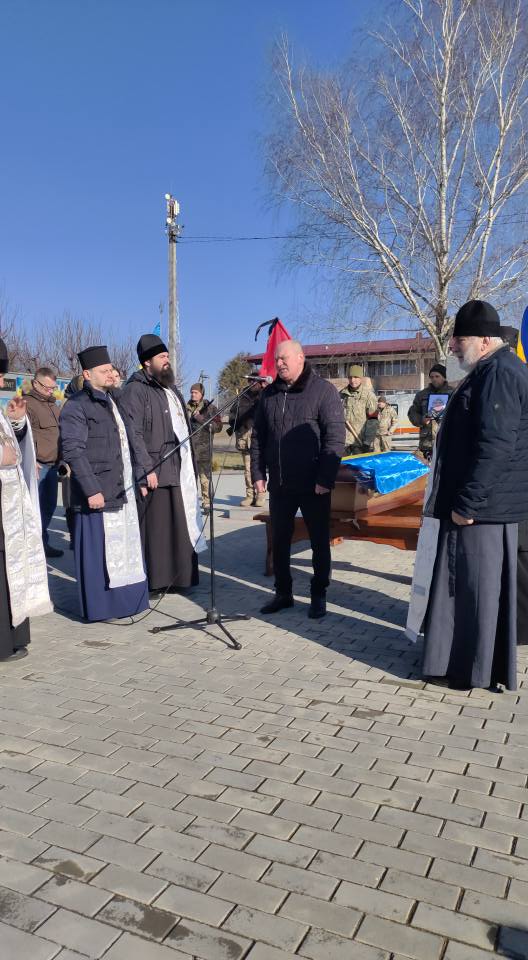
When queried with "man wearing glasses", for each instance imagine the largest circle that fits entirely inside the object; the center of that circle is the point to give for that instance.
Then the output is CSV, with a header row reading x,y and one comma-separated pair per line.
x,y
43,412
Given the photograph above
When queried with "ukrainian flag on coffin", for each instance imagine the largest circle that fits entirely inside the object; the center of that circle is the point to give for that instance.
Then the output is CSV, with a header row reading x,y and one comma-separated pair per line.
x,y
522,343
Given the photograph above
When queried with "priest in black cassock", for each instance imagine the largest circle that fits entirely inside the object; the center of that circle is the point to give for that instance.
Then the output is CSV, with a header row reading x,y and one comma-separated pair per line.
x,y
106,540
23,572
171,528
479,493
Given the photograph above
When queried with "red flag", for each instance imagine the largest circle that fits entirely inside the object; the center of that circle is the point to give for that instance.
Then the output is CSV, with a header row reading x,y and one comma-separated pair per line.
x,y
277,333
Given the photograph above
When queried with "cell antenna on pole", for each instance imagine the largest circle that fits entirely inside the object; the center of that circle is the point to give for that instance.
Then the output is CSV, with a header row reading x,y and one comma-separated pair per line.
x,y
173,229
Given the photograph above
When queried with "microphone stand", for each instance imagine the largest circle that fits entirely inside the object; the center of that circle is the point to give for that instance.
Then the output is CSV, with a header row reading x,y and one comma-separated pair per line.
x,y
212,614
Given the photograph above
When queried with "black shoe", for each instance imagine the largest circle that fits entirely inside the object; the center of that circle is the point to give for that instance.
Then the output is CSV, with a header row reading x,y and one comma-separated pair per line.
x,y
16,655
317,608
52,551
278,603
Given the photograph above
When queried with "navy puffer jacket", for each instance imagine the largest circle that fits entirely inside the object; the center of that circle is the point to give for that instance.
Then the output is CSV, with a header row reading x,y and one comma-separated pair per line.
x,y
299,434
482,449
90,444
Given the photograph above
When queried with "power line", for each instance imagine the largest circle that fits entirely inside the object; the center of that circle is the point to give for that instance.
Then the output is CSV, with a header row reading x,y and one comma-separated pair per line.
x,y
518,219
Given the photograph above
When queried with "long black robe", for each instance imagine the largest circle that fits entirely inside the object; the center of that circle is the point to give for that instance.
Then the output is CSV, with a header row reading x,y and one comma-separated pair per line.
x,y
470,626
522,584
169,555
11,638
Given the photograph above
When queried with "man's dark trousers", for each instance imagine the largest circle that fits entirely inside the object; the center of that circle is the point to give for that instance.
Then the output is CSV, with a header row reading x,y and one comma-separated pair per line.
x,y
315,509
48,483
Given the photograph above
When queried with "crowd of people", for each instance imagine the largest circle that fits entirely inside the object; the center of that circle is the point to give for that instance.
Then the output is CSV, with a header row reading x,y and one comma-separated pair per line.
x,y
135,455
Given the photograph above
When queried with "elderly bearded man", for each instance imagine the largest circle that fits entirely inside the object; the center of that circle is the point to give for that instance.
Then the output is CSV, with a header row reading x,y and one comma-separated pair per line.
x,y
298,439
23,574
479,493
171,528
106,540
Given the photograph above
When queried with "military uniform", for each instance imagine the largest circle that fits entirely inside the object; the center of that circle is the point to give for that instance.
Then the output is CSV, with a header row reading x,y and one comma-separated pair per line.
x,y
387,419
358,405
198,413
419,411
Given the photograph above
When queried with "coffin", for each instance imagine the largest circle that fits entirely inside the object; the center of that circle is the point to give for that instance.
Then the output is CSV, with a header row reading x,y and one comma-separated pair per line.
x,y
359,514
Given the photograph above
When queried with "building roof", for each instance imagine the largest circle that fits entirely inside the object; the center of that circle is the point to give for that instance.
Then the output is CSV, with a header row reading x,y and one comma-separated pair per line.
x,y
356,348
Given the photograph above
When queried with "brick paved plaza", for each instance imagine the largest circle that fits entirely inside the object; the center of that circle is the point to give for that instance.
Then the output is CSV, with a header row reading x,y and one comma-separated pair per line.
x,y
163,797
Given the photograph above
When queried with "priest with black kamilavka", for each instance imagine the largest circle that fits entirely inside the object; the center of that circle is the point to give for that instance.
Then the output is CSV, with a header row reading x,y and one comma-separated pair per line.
x,y
23,573
479,493
106,540
171,527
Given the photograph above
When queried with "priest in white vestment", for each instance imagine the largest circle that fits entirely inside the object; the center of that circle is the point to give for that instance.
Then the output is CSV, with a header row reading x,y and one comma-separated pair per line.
x,y
23,573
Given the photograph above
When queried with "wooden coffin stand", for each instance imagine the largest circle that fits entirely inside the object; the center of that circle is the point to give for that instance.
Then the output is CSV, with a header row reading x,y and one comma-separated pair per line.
x,y
359,514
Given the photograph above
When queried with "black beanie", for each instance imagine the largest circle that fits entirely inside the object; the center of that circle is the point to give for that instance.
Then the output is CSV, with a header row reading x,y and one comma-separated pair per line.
x,y
477,319
4,359
438,368
149,345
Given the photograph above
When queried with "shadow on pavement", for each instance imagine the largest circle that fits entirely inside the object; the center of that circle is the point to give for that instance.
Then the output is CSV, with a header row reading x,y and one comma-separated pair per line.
x,y
368,626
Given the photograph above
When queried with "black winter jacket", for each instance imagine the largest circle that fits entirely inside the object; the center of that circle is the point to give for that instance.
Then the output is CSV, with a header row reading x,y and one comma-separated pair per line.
x,y
243,412
89,443
481,467
147,407
299,434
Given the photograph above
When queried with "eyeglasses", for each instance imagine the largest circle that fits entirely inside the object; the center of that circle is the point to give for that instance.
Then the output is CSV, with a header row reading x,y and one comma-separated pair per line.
x,y
45,387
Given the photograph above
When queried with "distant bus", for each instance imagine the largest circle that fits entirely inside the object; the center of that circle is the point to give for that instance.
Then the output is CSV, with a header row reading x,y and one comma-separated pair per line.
x,y
16,384
405,434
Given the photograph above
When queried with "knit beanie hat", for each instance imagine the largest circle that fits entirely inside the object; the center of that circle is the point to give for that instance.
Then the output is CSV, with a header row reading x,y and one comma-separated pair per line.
x,y
477,318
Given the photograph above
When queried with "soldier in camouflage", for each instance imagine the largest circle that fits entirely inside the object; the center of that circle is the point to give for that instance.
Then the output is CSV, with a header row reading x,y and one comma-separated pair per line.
x,y
200,410
420,412
360,405
241,419
385,426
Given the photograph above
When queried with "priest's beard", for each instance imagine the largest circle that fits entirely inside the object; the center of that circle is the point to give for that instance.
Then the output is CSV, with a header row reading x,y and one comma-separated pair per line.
x,y
471,356
166,377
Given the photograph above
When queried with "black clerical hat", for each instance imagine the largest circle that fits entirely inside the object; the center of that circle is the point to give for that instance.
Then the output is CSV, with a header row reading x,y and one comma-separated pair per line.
x,y
477,319
4,359
149,345
93,357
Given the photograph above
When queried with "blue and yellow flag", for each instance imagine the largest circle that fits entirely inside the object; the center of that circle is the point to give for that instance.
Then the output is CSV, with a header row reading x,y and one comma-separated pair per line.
x,y
522,343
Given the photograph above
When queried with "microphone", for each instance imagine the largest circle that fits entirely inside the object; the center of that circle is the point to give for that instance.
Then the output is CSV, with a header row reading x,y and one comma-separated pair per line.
x,y
248,376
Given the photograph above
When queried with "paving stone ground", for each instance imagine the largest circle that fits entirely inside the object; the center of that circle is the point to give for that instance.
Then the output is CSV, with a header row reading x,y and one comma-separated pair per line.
x,y
163,797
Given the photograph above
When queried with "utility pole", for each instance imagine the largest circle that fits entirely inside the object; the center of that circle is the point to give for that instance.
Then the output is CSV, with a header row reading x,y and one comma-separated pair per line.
x,y
173,233
202,377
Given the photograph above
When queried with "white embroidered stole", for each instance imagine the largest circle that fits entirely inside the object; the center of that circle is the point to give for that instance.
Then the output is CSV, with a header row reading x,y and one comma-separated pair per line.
x,y
188,484
27,576
123,553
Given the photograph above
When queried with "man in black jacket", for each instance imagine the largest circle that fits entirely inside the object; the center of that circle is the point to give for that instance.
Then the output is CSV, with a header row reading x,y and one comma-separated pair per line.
x,y
169,511
298,440
106,540
479,493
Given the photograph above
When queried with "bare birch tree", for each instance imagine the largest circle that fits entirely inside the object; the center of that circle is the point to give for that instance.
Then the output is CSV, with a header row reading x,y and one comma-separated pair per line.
x,y
408,168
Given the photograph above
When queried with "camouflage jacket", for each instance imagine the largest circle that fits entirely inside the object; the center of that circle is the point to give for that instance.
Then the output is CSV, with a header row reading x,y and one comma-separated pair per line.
x,y
198,414
418,412
358,405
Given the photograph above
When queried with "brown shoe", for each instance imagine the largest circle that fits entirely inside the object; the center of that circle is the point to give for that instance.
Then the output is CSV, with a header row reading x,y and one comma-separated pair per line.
x,y
246,502
260,501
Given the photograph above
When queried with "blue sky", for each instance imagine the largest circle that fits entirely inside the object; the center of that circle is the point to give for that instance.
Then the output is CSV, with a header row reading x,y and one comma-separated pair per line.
x,y
108,104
